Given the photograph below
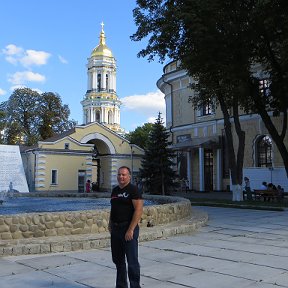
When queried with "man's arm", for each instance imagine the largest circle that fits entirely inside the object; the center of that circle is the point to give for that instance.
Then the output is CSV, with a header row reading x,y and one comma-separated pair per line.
x,y
138,210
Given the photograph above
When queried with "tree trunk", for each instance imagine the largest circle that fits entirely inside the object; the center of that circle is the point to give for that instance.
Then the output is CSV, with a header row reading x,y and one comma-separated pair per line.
x,y
235,164
276,137
237,192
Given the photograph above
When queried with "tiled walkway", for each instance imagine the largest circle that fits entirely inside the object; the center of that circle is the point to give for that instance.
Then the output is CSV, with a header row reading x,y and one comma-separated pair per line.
x,y
238,248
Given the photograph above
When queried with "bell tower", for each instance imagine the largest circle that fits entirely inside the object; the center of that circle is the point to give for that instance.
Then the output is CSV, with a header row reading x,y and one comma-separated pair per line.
x,y
100,103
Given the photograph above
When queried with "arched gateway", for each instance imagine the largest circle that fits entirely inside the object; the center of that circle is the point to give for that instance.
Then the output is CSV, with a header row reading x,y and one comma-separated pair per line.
x,y
87,152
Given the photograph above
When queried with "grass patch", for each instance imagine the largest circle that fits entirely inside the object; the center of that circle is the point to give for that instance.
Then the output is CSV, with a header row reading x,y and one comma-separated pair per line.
x,y
258,205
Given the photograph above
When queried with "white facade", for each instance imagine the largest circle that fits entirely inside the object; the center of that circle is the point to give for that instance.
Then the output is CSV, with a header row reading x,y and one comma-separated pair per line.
x,y
198,137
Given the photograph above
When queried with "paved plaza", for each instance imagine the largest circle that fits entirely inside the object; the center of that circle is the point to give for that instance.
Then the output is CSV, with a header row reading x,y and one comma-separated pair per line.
x,y
238,248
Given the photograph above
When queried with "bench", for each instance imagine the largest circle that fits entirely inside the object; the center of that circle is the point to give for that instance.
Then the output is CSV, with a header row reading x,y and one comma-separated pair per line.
x,y
265,195
268,195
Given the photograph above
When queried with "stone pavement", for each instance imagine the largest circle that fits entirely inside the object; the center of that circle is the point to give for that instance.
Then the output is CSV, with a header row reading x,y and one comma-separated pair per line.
x,y
237,248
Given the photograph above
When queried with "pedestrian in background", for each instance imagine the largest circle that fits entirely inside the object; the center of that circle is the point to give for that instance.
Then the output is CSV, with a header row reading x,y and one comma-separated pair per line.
x,y
248,188
88,186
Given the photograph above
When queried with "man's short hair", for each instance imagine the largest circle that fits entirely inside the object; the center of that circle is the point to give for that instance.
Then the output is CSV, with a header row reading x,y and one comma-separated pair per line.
x,y
125,167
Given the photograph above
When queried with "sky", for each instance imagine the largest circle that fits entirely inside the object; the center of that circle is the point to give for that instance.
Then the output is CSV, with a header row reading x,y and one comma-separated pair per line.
x,y
44,45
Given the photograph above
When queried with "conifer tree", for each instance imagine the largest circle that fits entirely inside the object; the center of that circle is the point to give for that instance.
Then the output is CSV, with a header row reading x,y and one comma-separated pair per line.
x,y
157,163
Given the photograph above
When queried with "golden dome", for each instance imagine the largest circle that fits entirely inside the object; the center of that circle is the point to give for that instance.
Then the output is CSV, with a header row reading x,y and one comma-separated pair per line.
x,y
102,49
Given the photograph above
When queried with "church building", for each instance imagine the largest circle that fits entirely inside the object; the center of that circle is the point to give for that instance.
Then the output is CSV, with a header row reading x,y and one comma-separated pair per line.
x,y
92,151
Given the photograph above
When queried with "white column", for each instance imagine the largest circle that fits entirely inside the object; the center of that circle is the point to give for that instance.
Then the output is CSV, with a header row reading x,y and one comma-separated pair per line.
x,y
89,81
219,170
90,114
84,117
93,114
110,80
114,81
113,115
189,172
94,78
201,169
105,116
102,115
103,79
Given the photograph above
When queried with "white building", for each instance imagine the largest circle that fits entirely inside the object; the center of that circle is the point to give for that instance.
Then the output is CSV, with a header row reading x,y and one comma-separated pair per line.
x,y
199,139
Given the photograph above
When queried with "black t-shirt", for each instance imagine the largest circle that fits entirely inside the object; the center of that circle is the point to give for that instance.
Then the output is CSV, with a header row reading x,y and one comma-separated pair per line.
x,y
122,208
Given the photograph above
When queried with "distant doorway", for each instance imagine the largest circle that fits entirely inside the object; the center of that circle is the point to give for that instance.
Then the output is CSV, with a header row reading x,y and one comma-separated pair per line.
x,y
208,169
81,181
96,172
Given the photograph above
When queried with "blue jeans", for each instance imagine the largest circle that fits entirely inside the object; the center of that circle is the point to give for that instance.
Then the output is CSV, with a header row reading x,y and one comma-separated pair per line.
x,y
120,249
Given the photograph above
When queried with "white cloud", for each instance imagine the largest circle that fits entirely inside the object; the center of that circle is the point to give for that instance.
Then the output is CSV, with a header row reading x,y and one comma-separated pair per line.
x,y
14,87
33,57
148,104
151,119
11,60
12,49
141,109
2,92
62,59
19,78
26,58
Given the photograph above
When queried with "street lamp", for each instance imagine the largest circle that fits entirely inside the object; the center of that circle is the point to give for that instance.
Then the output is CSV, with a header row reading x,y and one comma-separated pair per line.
x,y
131,147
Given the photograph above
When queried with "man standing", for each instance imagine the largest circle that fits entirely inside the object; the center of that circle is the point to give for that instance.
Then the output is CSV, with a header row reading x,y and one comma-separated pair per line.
x,y
126,212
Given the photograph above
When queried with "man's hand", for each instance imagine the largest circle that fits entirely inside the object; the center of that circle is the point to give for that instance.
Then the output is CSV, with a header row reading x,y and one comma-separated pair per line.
x,y
129,235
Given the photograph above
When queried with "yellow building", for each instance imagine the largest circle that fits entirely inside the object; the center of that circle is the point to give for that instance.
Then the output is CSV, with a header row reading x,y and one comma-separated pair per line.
x,y
92,151
198,137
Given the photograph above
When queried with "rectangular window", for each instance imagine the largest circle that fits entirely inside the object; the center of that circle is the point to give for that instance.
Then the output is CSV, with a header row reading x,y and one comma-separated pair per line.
x,y
54,177
264,87
206,109
66,146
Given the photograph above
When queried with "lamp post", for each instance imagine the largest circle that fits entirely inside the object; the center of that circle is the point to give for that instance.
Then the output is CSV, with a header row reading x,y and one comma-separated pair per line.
x,y
271,171
131,147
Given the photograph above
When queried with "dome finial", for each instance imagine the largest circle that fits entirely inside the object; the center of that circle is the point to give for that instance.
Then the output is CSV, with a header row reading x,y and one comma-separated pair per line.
x,y
102,34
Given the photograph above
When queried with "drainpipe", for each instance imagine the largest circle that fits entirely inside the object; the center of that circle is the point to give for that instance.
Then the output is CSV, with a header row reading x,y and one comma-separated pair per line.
x,y
172,121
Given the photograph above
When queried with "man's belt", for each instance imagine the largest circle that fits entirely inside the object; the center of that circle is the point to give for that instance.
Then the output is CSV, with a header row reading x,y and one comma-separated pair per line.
x,y
120,224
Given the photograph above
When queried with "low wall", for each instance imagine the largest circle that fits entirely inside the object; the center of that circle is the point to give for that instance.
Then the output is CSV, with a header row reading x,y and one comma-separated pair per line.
x,y
47,224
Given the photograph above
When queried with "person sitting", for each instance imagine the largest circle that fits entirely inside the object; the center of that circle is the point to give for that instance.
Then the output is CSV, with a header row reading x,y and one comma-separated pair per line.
x,y
280,191
263,186
271,188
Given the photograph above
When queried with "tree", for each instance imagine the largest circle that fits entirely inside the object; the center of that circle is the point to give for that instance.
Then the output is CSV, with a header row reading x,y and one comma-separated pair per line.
x,y
22,118
2,125
28,116
269,38
157,162
54,115
217,43
140,135
187,31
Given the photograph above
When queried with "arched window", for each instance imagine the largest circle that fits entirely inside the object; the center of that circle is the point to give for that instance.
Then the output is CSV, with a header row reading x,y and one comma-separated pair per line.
x,y
110,117
264,152
99,82
107,82
98,116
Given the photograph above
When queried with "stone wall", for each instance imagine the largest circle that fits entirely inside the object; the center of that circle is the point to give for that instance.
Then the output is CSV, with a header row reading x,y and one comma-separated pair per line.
x,y
35,225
